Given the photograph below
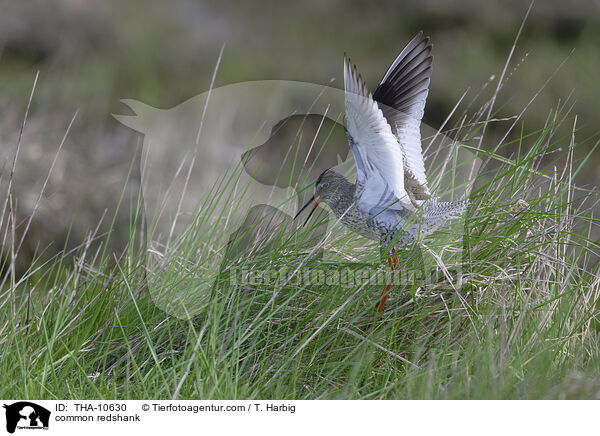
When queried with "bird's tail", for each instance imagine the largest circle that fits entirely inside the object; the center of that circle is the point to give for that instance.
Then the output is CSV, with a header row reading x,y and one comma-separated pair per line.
x,y
433,208
436,213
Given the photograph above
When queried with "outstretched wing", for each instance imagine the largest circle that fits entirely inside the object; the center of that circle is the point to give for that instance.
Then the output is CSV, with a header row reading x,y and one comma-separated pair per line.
x,y
378,157
402,94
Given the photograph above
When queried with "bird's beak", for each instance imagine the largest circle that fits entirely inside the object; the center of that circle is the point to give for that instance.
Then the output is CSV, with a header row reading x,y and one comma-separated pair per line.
x,y
316,199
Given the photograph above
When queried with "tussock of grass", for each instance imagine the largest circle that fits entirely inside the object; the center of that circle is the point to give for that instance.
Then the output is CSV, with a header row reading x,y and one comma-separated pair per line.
x,y
522,324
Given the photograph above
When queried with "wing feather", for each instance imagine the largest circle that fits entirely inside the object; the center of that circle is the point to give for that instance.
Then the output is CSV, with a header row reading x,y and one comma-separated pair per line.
x,y
378,157
402,94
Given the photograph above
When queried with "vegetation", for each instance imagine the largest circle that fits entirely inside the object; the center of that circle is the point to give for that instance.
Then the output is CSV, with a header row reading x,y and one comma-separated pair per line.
x,y
522,325
86,321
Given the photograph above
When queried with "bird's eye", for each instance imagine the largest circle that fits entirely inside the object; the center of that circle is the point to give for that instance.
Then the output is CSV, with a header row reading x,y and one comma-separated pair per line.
x,y
324,185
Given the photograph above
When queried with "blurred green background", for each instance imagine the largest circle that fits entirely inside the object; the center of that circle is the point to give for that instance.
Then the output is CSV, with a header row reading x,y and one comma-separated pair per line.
x,y
92,54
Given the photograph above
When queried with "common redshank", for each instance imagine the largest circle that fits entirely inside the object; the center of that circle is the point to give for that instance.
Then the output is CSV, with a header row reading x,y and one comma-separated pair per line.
x,y
390,201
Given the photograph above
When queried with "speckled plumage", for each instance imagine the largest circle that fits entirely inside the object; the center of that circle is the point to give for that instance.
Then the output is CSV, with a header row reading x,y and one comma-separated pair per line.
x,y
388,226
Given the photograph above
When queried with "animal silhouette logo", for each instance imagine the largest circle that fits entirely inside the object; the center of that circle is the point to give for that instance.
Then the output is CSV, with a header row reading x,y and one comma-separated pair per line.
x,y
259,143
26,415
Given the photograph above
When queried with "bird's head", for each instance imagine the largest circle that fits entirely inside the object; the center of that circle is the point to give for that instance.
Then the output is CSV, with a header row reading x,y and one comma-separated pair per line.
x,y
328,188
329,185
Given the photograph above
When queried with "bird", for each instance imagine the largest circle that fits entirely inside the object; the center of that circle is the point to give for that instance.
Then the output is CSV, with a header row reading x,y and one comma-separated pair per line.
x,y
390,201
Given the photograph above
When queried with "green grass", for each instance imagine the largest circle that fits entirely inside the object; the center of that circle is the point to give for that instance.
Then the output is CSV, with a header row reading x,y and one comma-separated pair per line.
x,y
524,323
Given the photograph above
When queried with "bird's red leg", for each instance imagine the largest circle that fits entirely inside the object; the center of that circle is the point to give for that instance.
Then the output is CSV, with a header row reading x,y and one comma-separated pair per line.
x,y
393,262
